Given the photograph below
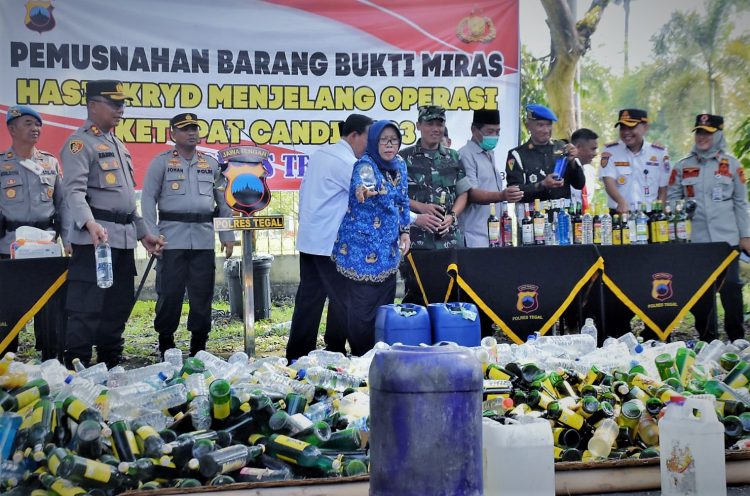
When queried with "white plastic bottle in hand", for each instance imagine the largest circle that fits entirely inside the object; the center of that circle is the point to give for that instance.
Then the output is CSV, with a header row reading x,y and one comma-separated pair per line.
x,y
103,257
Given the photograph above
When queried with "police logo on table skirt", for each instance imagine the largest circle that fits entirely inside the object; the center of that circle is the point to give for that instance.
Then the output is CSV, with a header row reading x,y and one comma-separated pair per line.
x,y
661,286
528,295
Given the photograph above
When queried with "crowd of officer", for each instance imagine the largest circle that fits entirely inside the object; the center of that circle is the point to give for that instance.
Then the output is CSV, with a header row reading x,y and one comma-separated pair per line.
x,y
450,193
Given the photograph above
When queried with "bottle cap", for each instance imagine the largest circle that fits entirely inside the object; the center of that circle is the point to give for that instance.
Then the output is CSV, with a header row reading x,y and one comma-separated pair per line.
x,y
123,467
638,348
193,464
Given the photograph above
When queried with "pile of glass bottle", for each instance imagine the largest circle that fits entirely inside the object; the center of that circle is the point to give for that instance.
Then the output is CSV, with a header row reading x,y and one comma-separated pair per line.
x,y
209,421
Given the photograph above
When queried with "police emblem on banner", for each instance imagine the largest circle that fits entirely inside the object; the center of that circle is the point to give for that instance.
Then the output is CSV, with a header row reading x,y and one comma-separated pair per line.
x,y
476,28
39,16
661,286
247,168
527,298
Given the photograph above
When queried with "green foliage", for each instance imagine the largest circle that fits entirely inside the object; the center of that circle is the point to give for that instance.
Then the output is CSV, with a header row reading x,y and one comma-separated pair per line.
x,y
533,71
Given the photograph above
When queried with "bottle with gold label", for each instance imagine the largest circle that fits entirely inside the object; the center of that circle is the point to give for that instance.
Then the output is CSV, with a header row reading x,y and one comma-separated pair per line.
x,y
123,441
149,441
493,228
219,391
79,411
567,454
566,417
597,222
90,472
145,469
566,438
31,392
225,460
539,220
61,486
666,367
297,452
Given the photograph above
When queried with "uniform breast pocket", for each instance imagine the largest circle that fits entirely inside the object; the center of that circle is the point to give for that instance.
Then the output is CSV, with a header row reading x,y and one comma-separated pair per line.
x,y
205,184
110,175
47,187
175,186
726,185
624,175
12,190
690,187
448,176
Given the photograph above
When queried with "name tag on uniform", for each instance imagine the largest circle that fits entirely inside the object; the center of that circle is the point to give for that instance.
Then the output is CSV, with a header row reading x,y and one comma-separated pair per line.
x,y
32,166
716,194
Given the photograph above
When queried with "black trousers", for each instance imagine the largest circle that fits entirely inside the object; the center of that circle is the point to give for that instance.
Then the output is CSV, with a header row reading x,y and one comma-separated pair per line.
x,y
363,301
96,316
176,271
704,310
319,280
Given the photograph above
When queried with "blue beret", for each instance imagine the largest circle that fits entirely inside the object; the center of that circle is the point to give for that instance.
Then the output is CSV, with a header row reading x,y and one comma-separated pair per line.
x,y
537,112
21,110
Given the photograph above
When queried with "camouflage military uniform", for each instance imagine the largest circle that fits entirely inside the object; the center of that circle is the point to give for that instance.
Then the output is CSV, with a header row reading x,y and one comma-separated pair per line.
x,y
437,177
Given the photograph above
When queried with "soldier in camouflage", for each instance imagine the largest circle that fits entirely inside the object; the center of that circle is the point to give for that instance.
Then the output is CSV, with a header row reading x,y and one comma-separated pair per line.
x,y
438,191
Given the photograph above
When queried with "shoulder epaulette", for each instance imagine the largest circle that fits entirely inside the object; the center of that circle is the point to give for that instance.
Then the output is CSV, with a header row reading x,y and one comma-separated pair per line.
x,y
610,145
658,146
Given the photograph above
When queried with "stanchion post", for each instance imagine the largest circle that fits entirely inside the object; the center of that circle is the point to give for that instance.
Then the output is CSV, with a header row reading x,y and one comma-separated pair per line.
x,y
248,293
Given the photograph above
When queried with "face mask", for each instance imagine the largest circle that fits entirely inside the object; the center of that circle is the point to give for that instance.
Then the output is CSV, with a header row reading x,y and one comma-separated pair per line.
x,y
488,142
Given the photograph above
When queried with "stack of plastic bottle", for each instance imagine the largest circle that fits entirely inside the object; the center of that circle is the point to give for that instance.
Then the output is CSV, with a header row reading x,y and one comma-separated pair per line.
x,y
204,420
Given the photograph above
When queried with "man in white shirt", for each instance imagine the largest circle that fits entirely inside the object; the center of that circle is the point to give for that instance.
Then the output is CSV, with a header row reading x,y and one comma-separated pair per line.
x,y
587,144
633,170
323,199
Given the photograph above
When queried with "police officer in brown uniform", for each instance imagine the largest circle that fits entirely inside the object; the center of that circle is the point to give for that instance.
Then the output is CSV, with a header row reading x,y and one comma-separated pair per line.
x,y
31,195
100,195
188,187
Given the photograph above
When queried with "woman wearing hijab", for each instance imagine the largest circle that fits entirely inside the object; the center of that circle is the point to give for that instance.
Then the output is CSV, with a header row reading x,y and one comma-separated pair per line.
x,y
374,233
715,180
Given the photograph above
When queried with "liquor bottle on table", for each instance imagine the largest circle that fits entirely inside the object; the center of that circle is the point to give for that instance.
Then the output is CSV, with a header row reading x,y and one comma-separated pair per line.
x,y
493,228
597,221
506,226
539,220
527,228
577,223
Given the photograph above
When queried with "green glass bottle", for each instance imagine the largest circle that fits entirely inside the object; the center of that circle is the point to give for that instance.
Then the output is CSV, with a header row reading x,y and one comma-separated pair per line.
x,y
55,456
730,407
739,374
225,460
60,486
727,361
219,390
605,411
298,452
631,413
191,366
123,441
145,469
589,406
319,433
149,441
90,472
40,431
567,455
355,467
89,439
654,406
221,480
30,392
594,376
346,440
565,416
666,367
566,438
733,429
181,448
295,403
684,360
79,411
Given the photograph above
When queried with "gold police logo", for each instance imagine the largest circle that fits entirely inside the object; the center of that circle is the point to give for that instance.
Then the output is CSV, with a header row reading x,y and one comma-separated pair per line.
x,y
203,164
110,178
621,180
39,16
247,169
102,147
476,28
11,193
75,146
14,112
11,182
50,192
661,286
175,186
528,301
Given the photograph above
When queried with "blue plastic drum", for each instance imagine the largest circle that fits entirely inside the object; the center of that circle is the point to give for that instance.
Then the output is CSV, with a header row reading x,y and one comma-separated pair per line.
x,y
403,323
425,422
456,322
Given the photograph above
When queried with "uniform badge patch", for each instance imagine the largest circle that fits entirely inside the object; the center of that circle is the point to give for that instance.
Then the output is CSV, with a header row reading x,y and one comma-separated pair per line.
x,y
723,169
673,177
741,174
511,163
110,178
11,182
605,159
174,161
532,178
621,180
75,146
11,193
690,191
50,192
690,172
102,147
202,164
175,186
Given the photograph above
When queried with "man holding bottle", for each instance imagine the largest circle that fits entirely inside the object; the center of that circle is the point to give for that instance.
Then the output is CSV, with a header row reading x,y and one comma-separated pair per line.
x,y
486,180
99,190
531,166
188,187
438,191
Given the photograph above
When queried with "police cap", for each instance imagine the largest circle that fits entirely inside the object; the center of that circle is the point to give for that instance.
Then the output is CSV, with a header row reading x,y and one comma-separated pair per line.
x,y
21,110
631,117
537,112
181,121
708,122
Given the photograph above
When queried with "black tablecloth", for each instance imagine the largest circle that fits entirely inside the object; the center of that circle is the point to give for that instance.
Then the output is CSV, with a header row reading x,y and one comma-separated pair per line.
x,y
26,286
525,290
661,283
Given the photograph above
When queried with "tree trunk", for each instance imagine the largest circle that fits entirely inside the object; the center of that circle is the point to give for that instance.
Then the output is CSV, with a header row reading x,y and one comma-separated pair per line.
x,y
569,41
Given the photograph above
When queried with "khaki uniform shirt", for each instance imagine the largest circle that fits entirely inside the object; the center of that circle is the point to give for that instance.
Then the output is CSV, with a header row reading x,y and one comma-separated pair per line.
x,y
99,173
718,187
182,186
27,196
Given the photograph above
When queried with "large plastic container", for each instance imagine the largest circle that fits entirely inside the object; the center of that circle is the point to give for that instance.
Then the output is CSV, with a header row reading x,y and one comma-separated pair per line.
x,y
456,322
518,458
425,422
403,323
691,440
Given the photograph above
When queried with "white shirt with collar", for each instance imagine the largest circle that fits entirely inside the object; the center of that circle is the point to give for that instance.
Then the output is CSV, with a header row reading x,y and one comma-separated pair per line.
x,y
639,175
323,197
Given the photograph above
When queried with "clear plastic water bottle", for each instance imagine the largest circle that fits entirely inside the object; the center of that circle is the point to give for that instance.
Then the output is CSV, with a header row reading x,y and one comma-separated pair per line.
x,y
588,228
103,257
563,227
200,412
329,379
606,228
589,328
174,356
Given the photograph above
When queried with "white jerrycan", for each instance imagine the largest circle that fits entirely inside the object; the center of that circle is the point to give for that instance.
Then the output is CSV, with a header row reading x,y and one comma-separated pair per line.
x,y
691,440
518,458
